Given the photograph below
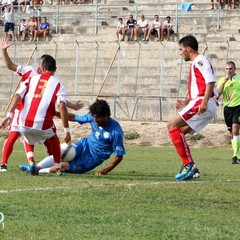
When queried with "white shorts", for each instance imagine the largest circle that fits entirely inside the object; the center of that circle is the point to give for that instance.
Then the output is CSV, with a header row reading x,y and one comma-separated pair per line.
x,y
198,121
33,136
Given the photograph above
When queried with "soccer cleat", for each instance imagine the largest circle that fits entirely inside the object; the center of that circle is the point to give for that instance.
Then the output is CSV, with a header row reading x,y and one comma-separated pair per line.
x,y
194,173
24,168
185,169
33,169
59,174
3,168
235,160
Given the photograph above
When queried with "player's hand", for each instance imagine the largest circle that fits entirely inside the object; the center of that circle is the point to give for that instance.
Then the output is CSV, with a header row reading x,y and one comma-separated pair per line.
x,y
78,105
202,108
4,44
67,138
181,103
99,173
5,123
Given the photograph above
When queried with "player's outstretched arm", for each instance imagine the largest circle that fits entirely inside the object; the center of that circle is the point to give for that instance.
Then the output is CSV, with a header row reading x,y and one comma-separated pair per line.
x,y
6,122
76,106
116,160
4,45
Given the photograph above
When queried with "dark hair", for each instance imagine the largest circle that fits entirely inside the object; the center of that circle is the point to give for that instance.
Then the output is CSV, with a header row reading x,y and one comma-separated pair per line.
x,y
231,63
168,17
120,18
100,108
189,41
48,62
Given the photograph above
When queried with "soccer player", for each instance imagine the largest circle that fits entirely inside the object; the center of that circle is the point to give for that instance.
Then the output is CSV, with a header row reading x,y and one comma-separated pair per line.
x,y
25,72
198,109
229,87
106,138
39,96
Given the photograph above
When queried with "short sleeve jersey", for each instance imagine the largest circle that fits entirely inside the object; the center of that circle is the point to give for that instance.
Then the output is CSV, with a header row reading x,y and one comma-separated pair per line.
x,y
144,23
44,25
201,73
167,24
131,23
231,91
103,140
40,94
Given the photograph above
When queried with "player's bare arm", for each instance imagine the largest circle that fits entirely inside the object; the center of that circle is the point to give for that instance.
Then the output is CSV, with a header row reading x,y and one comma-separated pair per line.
x,y
12,107
64,117
116,160
209,90
4,45
75,105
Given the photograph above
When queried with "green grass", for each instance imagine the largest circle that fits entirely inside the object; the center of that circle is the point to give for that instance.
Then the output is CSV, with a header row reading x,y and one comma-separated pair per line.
x,y
139,200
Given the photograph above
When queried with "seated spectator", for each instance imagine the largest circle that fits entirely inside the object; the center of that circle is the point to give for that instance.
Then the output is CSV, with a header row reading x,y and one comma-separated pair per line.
x,y
42,30
231,5
22,25
156,28
121,29
36,4
30,29
142,27
131,28
167,28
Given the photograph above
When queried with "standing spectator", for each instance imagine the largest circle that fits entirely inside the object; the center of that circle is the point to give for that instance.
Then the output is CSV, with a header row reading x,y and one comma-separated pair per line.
x,y
229,87
167,28
106,135
155,28
40,94
142,27
131,28
8,18
121,29
198,109
43,29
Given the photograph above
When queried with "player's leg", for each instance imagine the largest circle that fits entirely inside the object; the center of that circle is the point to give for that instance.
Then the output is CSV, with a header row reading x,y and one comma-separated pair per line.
x,y
56,154
7,149
29,149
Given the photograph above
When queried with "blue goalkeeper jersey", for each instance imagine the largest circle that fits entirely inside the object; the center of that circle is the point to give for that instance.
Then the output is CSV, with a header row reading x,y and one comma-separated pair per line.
x,y
104,140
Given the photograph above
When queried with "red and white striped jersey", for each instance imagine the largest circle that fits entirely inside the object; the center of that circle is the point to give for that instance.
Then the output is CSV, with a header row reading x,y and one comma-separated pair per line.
x,y
201,73
26,72
40,95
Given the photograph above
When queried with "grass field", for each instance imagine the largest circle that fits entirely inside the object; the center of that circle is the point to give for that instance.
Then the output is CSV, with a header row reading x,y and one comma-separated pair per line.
x,y
139,200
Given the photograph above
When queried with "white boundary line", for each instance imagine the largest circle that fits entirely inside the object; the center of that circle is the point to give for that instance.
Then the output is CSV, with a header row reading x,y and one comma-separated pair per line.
x,y
127,185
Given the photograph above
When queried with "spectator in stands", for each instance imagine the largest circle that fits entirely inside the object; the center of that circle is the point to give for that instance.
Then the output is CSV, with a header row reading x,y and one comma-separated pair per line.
x,y
21,27
167,28
220,4
42,30
30,29
36,4
142,27
230,5
156,28
8,17
121,29
131,28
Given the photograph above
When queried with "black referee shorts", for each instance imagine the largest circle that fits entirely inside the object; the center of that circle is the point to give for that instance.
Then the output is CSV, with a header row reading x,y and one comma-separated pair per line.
x,y
231,115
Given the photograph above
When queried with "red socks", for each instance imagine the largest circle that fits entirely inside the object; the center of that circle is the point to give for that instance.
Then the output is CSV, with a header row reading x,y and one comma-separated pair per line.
x,y
179,141
8,146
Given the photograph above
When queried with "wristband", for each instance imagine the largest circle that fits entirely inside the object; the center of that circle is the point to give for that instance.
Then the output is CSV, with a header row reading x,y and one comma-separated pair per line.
x,y
9,115
66,130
